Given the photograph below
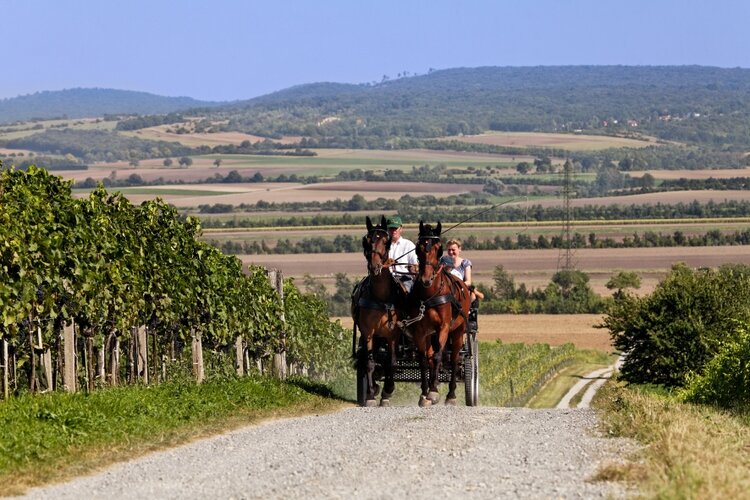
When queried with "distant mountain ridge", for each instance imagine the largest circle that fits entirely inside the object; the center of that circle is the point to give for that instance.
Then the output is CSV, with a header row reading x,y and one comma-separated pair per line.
x,y
689,104
92,102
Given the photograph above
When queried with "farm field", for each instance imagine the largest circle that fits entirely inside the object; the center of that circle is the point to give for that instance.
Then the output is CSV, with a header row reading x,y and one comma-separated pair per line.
x,y
552,329
670,197
534,268
183,196
723,173
324,191
195,139
616,230
573,142
327,162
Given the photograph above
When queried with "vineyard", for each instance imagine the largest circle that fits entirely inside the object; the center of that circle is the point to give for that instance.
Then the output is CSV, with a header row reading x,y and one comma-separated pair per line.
x,y
97,292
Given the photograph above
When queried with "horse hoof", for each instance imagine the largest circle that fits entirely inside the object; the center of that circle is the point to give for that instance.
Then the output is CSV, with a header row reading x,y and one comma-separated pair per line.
x,y
385,403
424,402
434,397
371,403
450,402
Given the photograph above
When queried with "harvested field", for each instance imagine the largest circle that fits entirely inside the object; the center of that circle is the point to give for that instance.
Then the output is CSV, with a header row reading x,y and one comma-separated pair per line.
x,y
552,329
235,194
724,173
327,162
326,191
534,268
574,142
160,133
671,197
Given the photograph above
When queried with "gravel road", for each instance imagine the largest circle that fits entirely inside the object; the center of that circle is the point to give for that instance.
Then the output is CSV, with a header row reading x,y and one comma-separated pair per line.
x,y
398,452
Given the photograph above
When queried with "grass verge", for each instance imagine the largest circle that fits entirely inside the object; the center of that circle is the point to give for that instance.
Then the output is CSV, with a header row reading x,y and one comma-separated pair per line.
x,y
689,451
53,437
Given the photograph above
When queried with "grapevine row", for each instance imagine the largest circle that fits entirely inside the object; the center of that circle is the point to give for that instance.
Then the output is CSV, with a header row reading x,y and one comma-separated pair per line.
x,y
132,280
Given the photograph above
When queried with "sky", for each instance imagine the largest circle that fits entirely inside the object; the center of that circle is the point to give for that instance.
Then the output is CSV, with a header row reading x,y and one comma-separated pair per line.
x,y
224,50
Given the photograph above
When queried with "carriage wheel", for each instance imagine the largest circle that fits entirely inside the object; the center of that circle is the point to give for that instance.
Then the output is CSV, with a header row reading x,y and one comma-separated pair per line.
x,y
471,371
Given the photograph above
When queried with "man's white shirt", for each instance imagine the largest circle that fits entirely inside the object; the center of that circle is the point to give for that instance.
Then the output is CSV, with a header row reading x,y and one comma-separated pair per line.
x,y
403,252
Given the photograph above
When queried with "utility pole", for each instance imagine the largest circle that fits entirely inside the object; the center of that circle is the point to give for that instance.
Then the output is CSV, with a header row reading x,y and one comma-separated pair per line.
x,y
566,256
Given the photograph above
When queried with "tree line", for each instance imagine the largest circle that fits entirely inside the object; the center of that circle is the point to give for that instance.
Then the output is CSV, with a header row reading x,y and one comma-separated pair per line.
x,y
348,243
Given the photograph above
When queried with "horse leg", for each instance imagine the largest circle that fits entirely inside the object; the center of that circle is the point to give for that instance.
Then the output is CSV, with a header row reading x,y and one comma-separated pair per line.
x,y
368,358
435,365
389,385
424,369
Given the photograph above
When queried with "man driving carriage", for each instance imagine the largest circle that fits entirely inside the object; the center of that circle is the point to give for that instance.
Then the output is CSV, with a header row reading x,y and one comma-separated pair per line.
x,y
402,251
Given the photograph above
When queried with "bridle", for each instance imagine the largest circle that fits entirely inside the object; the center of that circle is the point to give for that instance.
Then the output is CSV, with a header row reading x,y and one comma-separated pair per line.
x,y
426,244
372,237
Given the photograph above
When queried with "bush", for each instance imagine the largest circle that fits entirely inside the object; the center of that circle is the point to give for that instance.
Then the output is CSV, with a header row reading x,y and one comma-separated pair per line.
x,y
681,326
726,378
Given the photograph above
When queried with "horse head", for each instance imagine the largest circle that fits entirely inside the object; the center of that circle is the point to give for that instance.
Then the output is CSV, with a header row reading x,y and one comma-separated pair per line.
x,y
429,251
375,245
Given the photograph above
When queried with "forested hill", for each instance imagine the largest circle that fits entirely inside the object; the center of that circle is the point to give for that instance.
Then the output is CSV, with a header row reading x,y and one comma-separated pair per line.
x,y
686,103
698,105
82,103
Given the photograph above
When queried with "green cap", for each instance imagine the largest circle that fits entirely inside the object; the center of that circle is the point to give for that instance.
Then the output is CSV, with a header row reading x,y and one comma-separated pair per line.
x,y
393,221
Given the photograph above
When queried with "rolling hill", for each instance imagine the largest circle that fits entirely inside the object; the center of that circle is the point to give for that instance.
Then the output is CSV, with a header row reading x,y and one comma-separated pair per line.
x,y
83,103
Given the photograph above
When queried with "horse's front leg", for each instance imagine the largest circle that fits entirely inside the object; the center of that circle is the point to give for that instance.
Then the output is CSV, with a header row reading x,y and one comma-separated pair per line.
x,y
423,355
369,360
389,386
436,364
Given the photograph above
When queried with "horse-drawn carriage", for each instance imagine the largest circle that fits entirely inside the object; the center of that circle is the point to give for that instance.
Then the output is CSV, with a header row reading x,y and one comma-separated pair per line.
x,y
422,336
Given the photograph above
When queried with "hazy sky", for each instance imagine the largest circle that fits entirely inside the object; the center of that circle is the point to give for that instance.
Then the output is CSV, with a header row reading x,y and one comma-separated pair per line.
x,y
238,49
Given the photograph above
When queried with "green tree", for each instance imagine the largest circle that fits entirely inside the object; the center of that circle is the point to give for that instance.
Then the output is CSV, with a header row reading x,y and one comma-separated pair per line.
x,y
622,281
505,287
523,167
677,329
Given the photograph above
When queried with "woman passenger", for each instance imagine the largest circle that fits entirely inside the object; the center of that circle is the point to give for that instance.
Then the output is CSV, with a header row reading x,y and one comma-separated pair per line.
x,y
461,268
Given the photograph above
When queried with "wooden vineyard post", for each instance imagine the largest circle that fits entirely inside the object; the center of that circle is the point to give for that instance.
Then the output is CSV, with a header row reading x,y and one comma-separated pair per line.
x,y
90,363
279,359
198,370
6,369
102,358
46,358
114,365
69,357
45,361
239,355
141,353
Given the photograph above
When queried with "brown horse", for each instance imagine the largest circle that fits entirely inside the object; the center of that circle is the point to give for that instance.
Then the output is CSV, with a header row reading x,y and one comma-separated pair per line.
x,y
445,300
374,313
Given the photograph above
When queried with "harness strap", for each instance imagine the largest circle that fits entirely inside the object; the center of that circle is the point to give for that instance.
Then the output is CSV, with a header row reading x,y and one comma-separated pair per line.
x,y
439,300
368,303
